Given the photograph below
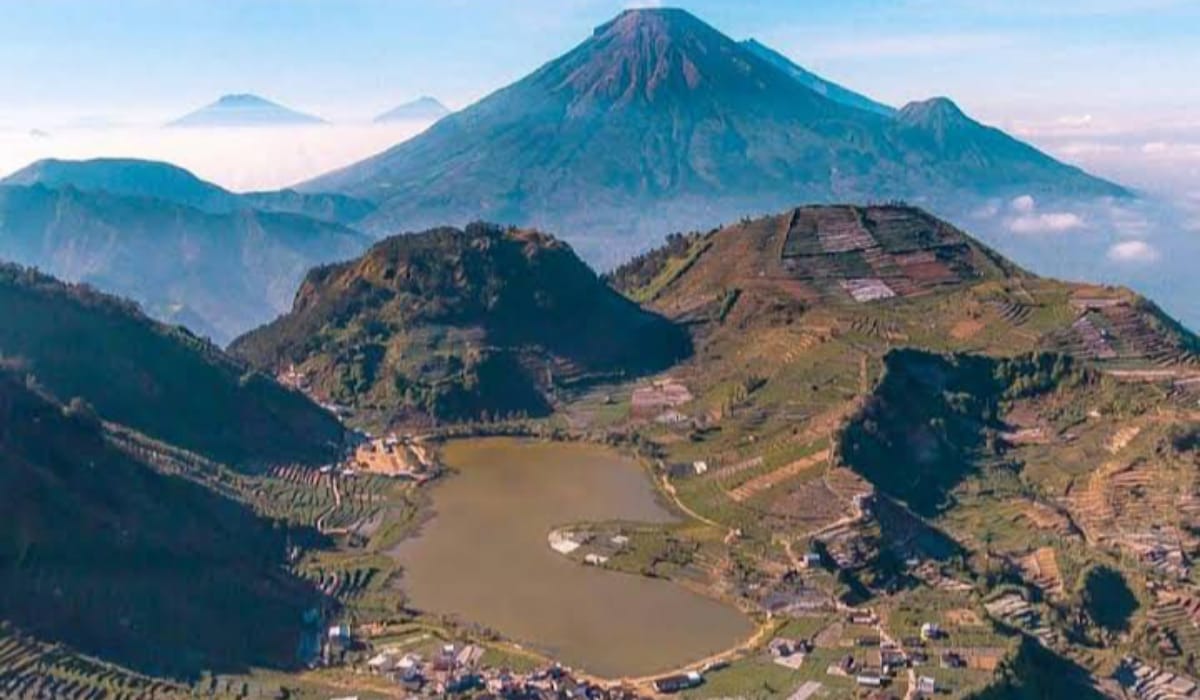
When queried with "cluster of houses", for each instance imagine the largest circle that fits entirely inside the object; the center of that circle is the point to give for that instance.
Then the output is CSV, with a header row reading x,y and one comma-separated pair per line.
x,y
399,456
894,658
1162,551
596,549
455,669
660,401
451,669
789,653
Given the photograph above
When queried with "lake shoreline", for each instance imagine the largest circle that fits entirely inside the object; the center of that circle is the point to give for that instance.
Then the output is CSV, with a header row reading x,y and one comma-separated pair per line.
x,y
655,504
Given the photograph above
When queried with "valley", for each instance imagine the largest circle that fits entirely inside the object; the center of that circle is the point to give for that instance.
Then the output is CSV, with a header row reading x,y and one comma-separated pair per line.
x,y
932,485
456,422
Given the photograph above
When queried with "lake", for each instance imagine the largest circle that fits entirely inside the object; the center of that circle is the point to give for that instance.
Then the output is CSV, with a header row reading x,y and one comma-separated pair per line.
x,y
484,558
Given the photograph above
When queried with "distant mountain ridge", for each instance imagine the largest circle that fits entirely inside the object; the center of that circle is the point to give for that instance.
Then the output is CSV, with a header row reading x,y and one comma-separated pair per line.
x,y
244,110
128,177
659,122
133,177
159,380
188,251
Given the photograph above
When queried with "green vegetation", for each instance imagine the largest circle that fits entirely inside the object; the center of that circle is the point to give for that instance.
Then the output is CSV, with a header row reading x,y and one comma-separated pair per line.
x,y
1035,673
960,443
644,276
1107,599
752,678
933,420
449,325
157,573
153,378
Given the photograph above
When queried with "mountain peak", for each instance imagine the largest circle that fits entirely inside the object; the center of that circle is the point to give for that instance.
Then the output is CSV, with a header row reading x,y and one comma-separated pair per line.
x,y
657,18
244,99
245,109
422,108
934,111
486,319
657,121
656,57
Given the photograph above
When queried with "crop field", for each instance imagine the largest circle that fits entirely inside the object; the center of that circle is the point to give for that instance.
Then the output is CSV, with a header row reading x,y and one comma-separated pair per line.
x,y
31,669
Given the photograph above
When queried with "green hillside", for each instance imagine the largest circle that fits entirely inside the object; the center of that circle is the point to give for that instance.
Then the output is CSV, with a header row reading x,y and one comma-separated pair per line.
x,y
461,324
100,552
157,379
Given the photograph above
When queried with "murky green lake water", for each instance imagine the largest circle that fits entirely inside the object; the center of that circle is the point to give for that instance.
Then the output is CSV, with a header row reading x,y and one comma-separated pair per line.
x,y
484,557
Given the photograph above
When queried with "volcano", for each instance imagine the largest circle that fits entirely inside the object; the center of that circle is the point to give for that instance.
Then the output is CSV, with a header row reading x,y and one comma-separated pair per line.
x,y
659,122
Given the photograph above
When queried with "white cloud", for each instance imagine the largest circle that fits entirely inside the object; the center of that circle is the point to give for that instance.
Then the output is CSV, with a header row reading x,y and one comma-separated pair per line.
x,y
1053,222
1075,121
889,45
1172,150
239,159
1028,220
1086,148
1133,252
1024,204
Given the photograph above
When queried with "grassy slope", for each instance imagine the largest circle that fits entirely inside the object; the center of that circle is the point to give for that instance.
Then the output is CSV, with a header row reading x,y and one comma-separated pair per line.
x,y
461,325
156,379
779,371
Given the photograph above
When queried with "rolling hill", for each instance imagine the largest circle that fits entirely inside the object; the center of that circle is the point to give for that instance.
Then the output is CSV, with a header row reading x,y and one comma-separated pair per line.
x,y
131,177
458,325
159,380
128,177
134,229
943,427
659,122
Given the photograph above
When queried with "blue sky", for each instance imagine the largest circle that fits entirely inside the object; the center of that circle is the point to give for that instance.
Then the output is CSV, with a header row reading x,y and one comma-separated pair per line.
x,y
1109,85
1005,60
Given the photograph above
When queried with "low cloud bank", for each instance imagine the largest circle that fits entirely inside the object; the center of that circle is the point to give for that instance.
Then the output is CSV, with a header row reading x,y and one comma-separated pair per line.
x,y
1133,251
1028,219
240,159
1151,243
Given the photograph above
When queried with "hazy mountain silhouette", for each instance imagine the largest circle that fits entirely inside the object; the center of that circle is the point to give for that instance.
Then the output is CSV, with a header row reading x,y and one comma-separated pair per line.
x,y
245,110
423,108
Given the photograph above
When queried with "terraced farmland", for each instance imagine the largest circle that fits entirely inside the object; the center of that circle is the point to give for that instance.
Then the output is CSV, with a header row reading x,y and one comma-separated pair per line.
x,y
33,670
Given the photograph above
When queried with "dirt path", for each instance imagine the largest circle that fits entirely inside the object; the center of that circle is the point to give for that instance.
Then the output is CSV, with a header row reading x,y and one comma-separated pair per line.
x,y
669,489
337,503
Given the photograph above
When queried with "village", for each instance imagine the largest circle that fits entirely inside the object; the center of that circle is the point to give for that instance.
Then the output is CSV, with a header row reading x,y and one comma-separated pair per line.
x,y
813,639
860,658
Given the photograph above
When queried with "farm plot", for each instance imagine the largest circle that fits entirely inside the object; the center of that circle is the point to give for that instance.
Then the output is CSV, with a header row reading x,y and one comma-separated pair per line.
x,y
31,669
